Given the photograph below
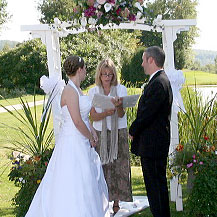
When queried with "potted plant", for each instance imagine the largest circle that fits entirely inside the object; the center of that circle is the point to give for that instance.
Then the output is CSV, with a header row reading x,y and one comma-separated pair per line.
x,y
197,130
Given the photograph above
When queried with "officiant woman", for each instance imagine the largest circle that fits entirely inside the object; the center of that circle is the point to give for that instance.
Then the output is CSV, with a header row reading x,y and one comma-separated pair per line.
x,y
111,127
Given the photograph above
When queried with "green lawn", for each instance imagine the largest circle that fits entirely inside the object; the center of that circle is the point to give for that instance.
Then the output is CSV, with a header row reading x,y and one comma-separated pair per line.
x,y
201,78
14,101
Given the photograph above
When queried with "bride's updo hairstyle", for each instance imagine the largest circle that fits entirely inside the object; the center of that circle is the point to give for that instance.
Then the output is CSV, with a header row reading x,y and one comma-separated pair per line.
x,y
72,64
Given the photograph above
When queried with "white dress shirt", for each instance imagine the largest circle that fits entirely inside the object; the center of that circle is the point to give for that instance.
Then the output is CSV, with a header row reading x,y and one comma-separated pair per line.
x,y
122,122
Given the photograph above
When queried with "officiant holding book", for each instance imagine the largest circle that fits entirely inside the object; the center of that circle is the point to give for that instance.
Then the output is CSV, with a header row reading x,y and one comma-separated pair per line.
x,y
111,127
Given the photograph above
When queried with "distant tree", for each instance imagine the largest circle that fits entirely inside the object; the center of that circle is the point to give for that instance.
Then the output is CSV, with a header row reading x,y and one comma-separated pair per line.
x,y
4,15
215,64
6,47
174,9
55,8
195,65
209,68
23,66
132,72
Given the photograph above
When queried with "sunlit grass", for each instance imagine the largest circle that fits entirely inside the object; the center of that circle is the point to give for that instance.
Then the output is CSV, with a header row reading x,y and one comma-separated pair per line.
x,y
201,78
14,101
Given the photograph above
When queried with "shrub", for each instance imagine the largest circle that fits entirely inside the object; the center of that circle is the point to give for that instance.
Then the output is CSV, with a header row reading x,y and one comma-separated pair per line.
x,y
132,72
23,66
202,199
27,174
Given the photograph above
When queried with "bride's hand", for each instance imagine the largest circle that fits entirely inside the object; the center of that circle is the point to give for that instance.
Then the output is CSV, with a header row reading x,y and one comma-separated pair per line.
x,y
93,143
94,134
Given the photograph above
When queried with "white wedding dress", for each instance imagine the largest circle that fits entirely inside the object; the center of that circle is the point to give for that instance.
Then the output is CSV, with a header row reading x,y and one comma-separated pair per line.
x,y
74,184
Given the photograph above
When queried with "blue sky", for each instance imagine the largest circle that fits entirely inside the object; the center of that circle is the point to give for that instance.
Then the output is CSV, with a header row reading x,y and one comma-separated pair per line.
x,y
206,21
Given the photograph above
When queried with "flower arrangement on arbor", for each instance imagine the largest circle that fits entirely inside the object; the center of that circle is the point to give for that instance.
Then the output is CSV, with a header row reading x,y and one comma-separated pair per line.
x,y
96,12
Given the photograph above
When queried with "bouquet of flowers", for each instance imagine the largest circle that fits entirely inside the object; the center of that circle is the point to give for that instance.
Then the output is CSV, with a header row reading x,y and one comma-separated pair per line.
x,y
96,12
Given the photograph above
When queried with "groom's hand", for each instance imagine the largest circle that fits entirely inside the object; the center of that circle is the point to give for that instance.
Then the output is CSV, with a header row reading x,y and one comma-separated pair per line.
x,y
131,137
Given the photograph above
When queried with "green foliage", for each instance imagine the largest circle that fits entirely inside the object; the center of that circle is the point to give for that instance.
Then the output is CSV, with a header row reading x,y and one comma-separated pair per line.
x,y
200,139
202,199
22,66
4,15
12,93
132,72
27,175
131,116
174,9
115,44
63,9
32,151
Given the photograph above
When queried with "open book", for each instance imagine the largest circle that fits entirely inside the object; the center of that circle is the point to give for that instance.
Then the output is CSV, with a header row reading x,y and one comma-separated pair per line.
x,y
104,102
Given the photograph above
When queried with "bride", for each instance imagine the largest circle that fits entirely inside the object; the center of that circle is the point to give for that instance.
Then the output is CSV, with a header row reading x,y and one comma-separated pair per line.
x,y
74,184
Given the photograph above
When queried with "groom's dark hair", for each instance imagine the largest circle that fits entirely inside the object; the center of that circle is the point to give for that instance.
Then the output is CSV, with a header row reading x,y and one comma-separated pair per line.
x,y
157,54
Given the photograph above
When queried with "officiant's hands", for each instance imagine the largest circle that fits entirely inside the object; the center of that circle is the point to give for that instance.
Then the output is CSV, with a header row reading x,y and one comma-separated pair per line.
x,y
117,101
109,112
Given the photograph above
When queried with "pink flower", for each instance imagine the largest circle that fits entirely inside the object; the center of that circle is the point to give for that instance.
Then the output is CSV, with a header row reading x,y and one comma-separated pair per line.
x,y
101,2
195,161
99,14
189,165
194,156
201,163
141,1
125,13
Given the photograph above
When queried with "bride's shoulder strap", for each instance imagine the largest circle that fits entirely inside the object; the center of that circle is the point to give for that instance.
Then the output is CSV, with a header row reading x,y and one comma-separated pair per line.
x,y
74,86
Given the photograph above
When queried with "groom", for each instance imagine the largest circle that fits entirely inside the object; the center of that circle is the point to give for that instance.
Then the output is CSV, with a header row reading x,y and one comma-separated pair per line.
x,y
150,131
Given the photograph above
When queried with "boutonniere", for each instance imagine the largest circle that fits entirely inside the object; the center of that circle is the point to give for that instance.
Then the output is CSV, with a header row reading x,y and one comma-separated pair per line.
x,y
144,85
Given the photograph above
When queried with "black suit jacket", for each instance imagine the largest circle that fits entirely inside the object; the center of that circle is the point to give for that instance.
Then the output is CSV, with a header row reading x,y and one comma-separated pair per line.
x,y
151,128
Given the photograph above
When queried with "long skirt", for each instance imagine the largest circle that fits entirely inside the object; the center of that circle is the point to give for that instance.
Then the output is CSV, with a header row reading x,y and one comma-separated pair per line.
x,y
118,173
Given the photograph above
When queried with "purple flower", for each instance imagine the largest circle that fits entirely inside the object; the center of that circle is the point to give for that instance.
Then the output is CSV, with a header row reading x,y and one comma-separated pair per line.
x,y
132,17
189,165
201,163
195,161
90,12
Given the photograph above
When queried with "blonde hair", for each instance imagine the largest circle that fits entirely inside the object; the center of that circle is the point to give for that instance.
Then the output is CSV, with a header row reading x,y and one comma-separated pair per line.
x,y
109,64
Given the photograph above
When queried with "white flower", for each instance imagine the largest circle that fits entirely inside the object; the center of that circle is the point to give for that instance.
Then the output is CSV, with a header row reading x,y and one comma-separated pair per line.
x,y
138,15
107,7
83,21
20,179
92,21
137,5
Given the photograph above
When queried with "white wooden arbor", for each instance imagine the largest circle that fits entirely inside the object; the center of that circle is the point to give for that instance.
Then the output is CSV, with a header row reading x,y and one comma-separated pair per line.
x,y
50,33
